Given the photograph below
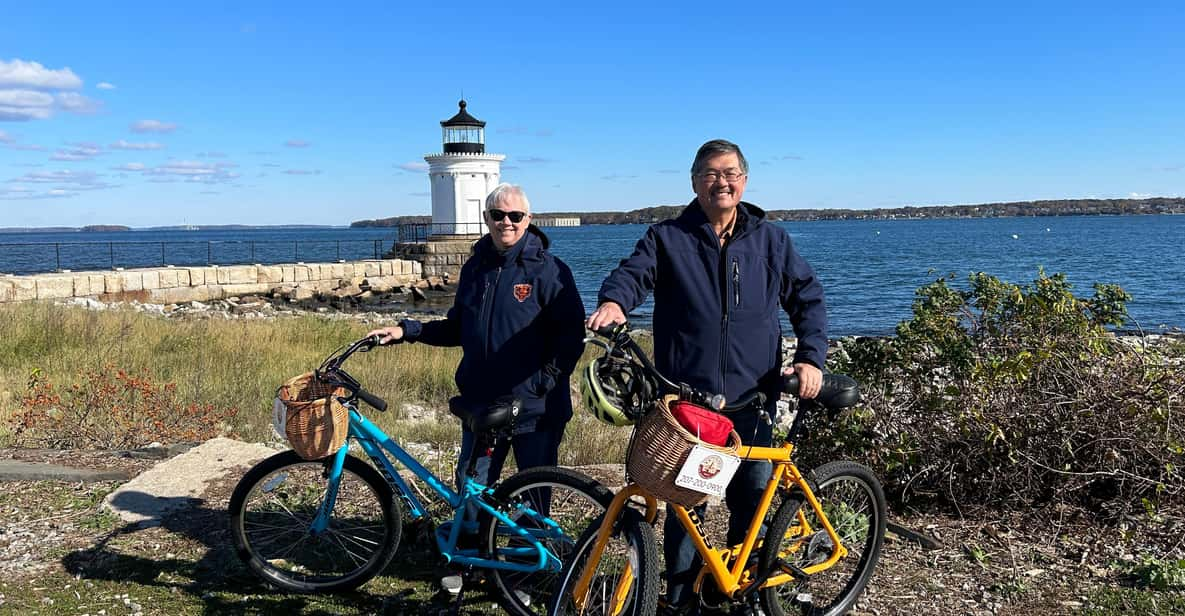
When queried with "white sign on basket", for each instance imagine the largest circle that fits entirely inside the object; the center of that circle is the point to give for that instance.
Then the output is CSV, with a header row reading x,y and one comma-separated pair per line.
x,y
707,470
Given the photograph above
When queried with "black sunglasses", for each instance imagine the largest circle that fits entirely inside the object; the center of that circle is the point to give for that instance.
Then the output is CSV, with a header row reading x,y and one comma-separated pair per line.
x,y
515,217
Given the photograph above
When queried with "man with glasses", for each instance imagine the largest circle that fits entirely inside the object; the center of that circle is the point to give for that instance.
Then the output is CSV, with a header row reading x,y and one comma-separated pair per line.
x,y
720,275
517,316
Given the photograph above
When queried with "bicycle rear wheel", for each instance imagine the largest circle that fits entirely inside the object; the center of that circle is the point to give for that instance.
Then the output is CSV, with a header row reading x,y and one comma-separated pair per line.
x,y
573,500
854,503
274,505
624,580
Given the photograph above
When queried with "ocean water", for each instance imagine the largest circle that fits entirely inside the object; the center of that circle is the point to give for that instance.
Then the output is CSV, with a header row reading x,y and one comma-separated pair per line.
x,y
869,269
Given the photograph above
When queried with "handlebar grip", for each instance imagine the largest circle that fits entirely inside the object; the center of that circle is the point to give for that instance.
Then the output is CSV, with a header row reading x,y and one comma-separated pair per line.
x,y
839,391
372,400
611,330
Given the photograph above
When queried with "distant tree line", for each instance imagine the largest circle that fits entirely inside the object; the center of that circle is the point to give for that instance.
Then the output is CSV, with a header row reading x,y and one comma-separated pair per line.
x,y
1062,207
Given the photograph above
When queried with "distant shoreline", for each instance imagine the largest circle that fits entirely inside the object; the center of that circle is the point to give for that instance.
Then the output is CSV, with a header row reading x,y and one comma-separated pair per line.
x,y
1065,207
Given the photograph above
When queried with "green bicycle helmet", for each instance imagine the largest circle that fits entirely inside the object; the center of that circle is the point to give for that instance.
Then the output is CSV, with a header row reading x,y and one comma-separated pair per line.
x,y
616,391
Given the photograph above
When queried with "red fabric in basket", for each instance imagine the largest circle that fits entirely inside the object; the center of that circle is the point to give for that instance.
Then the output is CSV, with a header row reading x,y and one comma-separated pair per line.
x,y
709,426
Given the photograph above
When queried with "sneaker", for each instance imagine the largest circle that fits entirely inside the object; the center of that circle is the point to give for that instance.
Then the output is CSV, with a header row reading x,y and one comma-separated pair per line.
x,y
452,584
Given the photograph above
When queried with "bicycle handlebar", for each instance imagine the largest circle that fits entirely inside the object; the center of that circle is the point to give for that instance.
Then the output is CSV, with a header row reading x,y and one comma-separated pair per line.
x,y
331,370
837,392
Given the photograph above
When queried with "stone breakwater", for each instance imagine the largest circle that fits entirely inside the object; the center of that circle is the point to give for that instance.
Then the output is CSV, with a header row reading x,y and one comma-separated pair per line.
x,y
173,285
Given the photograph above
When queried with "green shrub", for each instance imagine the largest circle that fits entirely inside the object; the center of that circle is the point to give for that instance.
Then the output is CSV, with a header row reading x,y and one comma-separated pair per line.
x,y
1008,394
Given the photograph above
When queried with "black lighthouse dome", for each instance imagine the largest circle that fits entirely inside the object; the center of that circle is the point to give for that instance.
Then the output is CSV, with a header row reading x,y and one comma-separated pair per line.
x,y
464,133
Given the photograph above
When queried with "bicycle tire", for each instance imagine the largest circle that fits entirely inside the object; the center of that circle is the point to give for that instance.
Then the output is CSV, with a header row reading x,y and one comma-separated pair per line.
x,y
854,502
277,500
573,500
632,542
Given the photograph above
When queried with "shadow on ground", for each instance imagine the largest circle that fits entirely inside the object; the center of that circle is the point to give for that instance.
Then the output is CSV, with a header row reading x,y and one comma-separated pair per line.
x,y
191,552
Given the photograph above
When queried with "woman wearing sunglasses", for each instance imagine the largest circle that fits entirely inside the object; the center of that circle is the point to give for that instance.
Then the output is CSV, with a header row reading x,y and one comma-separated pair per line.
x,y
519,319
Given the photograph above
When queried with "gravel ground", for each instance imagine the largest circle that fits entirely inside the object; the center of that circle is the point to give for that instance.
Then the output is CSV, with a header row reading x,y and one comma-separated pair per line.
x,y
988,563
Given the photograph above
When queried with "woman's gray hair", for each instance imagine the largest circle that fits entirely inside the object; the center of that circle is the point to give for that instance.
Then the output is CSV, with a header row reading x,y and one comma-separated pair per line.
x,y
717,147
504,190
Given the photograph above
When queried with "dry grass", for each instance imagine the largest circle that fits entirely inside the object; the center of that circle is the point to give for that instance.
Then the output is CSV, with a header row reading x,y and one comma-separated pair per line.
x,y
237,363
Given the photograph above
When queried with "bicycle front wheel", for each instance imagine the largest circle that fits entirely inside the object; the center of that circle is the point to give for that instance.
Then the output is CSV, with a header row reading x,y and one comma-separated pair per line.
x,y
573,500
271,515
622,581
854,502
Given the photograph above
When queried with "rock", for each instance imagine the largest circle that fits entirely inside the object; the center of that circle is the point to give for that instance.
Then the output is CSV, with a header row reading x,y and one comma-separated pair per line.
x,y
179,483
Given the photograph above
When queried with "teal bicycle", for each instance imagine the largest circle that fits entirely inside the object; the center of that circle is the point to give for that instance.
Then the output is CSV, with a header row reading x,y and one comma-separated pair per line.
x,y
332,524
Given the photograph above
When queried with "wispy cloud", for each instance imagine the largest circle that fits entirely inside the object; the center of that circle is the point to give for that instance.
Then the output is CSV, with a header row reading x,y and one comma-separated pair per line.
x,y
77,103
1172,168
128,145
669,171
297,143
211,154
790,157
15,193
419,194
303,171
21,74
65,183
186,171
103,85
414,167
152,126
80,151
534,160
614,177
6,138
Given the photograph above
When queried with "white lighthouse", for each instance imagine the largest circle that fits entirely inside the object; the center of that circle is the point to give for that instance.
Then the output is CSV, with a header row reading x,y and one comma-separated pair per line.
x,y
461,176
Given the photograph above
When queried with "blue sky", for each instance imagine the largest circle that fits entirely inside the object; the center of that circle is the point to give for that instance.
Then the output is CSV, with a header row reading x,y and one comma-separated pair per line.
x,y
266,113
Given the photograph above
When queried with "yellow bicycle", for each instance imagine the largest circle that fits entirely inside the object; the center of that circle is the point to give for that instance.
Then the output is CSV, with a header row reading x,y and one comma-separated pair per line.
x,y
816,556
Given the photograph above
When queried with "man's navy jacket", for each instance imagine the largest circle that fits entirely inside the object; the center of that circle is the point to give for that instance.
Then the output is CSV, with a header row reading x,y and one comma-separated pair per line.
x,y
519,320
716,324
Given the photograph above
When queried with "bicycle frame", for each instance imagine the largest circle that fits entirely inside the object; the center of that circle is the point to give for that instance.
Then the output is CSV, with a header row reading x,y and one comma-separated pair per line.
x,y
374,441
737,579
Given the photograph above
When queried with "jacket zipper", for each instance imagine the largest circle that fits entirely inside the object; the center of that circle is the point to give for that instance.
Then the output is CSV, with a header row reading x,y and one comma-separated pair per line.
x,y
487,312
723,317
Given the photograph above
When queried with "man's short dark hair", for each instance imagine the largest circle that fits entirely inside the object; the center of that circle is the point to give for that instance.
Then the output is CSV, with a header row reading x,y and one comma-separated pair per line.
x,y
717,147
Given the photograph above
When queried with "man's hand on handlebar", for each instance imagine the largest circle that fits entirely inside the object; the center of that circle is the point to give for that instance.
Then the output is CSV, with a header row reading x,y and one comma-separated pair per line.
x,y
387,335
608,313
810,379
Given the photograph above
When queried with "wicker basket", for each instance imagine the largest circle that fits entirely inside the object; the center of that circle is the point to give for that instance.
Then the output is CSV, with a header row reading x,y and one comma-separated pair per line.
x,y
658,451
316,424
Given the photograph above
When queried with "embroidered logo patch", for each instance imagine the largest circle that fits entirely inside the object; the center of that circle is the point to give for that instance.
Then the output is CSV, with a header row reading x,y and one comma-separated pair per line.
x,y
522,292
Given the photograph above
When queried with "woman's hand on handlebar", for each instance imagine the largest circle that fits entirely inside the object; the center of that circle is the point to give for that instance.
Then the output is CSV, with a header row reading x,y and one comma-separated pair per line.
x,y
810,379
608,313
387,335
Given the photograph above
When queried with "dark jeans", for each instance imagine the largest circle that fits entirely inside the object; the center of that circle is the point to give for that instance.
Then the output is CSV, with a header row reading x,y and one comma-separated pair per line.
x,y
741,496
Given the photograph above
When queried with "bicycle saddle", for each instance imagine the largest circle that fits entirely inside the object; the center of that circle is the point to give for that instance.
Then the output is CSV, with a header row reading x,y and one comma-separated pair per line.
x,y
484,419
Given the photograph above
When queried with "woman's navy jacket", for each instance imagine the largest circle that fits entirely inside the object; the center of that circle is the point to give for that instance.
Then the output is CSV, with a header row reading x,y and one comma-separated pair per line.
x,y
519,320
716,308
